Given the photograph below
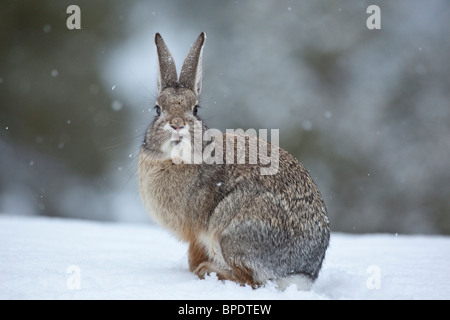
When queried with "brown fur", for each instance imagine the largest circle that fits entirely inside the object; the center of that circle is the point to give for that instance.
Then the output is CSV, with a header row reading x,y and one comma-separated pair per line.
x,y
196,255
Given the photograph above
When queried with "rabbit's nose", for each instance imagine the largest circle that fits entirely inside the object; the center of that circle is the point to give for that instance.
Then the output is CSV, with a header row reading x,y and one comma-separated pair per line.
x,y
177,123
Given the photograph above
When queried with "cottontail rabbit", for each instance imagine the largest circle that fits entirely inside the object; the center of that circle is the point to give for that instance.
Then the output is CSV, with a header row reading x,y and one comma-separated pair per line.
x,y
240,224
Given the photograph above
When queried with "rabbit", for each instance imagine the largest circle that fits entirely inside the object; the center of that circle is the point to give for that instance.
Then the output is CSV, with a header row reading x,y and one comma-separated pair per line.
x,y
240,224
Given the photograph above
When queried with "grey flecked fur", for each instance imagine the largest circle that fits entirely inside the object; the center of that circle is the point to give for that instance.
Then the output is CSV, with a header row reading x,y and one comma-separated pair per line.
x,y
242,225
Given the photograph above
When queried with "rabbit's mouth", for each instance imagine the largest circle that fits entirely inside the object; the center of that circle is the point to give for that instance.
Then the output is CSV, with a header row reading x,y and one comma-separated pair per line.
x,y
176,138
177,135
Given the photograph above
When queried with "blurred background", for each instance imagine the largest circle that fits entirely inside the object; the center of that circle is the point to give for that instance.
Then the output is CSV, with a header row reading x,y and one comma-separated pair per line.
x,y
367,112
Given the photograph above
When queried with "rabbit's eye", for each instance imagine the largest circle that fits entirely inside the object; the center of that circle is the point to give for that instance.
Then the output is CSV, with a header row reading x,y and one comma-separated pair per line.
x,y
158,110
195,110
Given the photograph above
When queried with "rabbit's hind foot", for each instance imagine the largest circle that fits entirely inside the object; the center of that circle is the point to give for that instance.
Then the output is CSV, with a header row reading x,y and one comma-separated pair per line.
x,y
239,274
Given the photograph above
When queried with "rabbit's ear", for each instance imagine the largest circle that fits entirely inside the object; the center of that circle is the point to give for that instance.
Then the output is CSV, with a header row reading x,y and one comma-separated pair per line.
x,y
167,76
191,72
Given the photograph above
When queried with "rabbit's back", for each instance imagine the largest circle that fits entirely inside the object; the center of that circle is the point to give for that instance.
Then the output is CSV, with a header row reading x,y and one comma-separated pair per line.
x,y
276,225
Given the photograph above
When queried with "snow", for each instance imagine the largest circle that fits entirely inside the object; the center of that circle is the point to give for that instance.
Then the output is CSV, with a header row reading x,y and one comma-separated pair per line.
x,y
116,105
53,258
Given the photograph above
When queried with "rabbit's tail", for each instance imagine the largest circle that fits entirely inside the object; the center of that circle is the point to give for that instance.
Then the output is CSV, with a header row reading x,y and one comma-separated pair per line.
x,y
302,282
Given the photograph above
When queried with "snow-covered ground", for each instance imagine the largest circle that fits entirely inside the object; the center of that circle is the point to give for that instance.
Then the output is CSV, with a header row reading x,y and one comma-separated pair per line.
x,y
49,258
